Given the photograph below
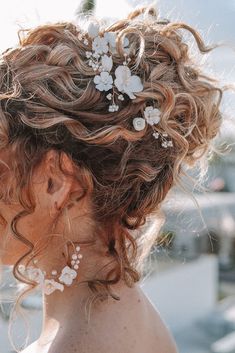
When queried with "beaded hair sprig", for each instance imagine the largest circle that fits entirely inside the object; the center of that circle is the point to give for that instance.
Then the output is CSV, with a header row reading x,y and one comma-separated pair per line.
x,y
100,59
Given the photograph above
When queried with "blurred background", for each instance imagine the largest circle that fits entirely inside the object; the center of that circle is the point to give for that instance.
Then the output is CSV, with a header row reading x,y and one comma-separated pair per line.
x,y
190,275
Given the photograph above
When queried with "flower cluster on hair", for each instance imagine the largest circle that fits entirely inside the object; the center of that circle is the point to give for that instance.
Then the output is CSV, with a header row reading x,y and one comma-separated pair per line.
x,y
49,285
152,116
124,82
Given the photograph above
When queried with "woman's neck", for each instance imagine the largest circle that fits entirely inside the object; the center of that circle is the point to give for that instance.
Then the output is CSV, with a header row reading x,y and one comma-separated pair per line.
x,y
65,313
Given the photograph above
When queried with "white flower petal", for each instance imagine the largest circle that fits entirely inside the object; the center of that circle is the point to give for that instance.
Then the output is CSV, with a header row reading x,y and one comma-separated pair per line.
x,y
156,119
148,110
126,42
100,87
123,72
130,94
35,274
97,79
135,84
108,87
152,115
100,45
123,75
67,275
93,29
119,84
127,83
107,62
50,285
113,50
104,75
104,81
111,38
150,121
139,123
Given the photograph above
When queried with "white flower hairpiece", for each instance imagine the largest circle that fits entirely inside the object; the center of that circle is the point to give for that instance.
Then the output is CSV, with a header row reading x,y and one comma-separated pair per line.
x,y
152,116
49,285
100,59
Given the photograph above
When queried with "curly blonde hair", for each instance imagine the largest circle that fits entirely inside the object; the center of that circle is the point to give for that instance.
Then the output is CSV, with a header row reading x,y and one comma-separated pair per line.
x,y
49,101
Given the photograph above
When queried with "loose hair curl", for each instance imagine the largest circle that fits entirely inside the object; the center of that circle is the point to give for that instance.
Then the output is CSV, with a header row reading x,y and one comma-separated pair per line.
x,y
49,101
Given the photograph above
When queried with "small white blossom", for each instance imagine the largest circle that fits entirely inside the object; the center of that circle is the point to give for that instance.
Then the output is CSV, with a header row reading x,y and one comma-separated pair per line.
x,y
111,39
88,54
109,96
50,285
35,274
106,63
127,83
139,123
120,97
103,81
156,135
67,275
99,45
152,115
93,29
95,66
112,108
164,144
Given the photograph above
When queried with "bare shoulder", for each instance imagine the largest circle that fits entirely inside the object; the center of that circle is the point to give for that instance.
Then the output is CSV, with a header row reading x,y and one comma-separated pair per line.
x,y
159,336
130,325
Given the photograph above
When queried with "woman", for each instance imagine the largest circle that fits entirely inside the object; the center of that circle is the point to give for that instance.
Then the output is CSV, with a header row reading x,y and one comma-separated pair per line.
x,y
97,123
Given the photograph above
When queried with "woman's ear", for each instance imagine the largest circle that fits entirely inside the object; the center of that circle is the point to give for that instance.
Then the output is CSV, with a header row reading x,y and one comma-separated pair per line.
x,y
56,187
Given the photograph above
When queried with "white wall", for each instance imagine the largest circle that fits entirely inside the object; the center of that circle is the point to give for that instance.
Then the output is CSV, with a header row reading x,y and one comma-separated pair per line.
x,y
185,292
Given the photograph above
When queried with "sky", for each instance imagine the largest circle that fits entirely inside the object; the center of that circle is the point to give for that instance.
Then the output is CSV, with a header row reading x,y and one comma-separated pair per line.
x,y
214,19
